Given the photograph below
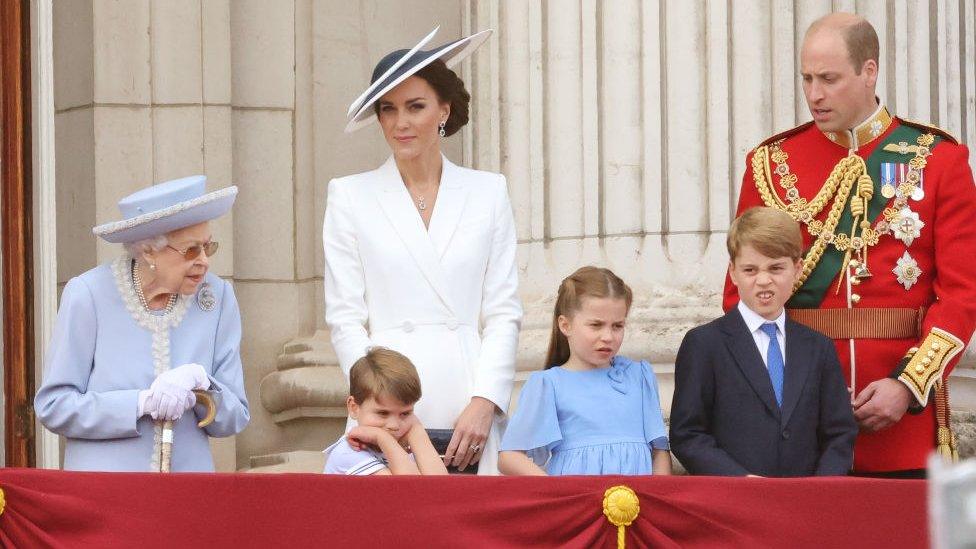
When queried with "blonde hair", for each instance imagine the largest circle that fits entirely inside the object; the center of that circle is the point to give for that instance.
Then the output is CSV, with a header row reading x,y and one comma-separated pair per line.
x,y
587,281
384,372
771,232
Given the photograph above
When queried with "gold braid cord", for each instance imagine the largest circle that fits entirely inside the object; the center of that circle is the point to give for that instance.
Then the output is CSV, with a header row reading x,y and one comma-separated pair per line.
x,y
946,439
842,179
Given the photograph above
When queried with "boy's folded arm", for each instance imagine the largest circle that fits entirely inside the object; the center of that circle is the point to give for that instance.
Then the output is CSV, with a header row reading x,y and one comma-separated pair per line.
x,y
427,459
837,428
397,459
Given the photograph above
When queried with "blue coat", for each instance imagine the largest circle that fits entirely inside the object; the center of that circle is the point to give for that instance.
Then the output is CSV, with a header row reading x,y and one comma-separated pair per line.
x,y
102,354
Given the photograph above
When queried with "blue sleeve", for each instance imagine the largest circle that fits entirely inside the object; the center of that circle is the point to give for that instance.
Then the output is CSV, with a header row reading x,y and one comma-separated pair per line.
x,y
341,459
535,426
63,403
227,379
655,433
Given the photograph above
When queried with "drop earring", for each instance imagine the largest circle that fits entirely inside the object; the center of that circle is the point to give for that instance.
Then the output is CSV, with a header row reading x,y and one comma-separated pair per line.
x,y
441,131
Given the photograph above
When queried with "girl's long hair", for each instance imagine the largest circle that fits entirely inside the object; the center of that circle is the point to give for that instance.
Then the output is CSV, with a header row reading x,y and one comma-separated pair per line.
x,y
587,281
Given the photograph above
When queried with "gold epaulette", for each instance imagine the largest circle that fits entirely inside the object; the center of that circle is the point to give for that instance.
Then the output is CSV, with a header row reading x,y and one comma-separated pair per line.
x,y
926,365
784,135
929,128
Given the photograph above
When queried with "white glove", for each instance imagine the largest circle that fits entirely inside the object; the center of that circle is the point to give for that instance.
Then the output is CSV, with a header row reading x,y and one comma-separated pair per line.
x,y
188,376
171,393
168,402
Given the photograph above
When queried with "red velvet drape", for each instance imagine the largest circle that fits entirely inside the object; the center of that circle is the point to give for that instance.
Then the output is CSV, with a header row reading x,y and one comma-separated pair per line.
x,y
65,509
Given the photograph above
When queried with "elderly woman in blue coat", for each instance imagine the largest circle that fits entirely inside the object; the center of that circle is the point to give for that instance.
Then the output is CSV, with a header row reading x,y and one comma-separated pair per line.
x,y
135,337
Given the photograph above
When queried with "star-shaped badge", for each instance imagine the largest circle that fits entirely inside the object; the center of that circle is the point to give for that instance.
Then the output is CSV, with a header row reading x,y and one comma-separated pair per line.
x,y
907,226
876,128
907,271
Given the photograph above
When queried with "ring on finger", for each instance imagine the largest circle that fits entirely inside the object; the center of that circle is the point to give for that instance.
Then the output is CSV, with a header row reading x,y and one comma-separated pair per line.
x,y
475,448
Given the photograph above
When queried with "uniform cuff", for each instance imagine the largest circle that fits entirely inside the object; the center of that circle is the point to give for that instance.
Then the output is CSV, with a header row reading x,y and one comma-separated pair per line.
x,y
923,366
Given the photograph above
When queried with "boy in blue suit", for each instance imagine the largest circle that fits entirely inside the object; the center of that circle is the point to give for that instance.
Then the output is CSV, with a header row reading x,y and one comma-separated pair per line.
x,y
756,393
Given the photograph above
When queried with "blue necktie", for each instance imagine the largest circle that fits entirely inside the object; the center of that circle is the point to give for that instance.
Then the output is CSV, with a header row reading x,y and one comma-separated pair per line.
x,y
774,361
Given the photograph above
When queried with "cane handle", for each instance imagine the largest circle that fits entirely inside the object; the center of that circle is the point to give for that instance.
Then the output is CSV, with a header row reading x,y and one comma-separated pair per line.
x,y
205,399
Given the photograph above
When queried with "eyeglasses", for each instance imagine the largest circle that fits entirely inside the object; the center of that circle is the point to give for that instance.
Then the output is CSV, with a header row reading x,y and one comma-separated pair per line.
x,y
193,252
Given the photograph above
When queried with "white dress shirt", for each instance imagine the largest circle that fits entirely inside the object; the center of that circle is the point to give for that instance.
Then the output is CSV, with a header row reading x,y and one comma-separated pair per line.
x,y
754,322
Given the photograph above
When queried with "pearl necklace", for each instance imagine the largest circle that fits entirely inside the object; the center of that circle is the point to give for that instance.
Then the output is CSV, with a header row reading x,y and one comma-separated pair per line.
x,y
137,283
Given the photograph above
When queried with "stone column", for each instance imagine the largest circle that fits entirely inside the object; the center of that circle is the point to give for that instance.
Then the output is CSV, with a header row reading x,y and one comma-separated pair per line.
x,y
44,207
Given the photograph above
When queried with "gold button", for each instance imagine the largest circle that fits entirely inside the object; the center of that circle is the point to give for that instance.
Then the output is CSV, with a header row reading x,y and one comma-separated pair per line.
x,y
855,281
855,298
926,361
919,369
930,354
854,263
936,346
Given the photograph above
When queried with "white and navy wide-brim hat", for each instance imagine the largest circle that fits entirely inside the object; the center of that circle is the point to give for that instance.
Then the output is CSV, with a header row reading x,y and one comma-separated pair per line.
x,y
402,64
167,207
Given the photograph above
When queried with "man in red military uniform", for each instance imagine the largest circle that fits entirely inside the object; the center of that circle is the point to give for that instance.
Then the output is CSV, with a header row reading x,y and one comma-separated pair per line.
x,y
889,212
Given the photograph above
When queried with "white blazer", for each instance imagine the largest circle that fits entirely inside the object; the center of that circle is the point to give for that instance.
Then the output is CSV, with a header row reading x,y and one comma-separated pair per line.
x,y
446,297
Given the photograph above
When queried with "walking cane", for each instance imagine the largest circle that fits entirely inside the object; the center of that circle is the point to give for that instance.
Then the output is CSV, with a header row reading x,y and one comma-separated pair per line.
x,y
167,442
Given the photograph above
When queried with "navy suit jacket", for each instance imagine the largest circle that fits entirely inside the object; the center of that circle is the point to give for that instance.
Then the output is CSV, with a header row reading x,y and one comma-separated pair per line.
x,y
724,416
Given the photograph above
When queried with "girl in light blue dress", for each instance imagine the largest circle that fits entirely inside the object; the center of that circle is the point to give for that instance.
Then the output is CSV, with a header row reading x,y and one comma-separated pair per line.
x,y
590,412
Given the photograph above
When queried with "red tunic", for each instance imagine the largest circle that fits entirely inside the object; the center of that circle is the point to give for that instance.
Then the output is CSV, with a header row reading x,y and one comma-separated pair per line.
x,y
945,251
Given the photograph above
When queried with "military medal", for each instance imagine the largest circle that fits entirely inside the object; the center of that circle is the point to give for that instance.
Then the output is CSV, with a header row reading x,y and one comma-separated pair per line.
x,y
892,175
907,271
907,226
206,298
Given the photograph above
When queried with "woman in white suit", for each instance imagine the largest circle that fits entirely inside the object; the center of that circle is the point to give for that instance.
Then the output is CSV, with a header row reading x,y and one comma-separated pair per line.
x,y
420,254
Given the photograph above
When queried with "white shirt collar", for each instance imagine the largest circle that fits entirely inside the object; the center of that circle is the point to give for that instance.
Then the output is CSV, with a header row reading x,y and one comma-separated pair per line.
x,y
755,320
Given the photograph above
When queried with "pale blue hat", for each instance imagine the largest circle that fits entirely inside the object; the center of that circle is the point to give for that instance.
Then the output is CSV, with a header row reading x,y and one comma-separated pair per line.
x,y
166,207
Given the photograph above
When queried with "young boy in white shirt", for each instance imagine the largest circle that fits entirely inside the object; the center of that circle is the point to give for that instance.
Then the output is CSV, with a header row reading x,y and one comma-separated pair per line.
x,y
389,439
